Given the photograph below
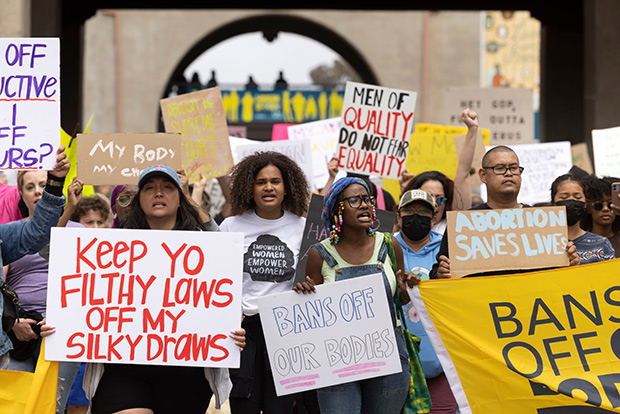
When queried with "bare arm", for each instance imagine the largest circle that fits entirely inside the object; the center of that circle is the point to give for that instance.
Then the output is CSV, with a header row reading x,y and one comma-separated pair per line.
x,y
332,167
461,199
314,265
403,277
74,195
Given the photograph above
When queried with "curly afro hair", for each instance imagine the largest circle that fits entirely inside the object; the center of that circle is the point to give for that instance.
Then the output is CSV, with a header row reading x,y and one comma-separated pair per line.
x,y
243,175
95,203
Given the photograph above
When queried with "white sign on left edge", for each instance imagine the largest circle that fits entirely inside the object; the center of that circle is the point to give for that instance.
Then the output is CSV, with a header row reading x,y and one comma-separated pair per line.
x,y
29,103
144,296
341,333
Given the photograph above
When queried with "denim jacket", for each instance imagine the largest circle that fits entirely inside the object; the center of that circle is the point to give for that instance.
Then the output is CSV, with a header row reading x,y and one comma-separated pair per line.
x,y
18,239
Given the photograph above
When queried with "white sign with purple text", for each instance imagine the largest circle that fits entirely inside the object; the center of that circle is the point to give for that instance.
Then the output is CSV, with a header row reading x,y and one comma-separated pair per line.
x,y
341,333
29,103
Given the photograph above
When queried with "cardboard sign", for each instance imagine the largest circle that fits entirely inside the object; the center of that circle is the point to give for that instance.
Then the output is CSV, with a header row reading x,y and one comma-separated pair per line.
x,y
581,157
199,118
29,103
543,163
299,151
606,149
520,238
507,112
116,159
376,124
144,296
544,341
341,333
314,231
324,138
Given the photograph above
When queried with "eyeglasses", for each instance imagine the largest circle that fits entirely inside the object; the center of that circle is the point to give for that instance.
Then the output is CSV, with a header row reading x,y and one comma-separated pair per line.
x,y
500,169
356,201
599,205
440,200
124,200
423,211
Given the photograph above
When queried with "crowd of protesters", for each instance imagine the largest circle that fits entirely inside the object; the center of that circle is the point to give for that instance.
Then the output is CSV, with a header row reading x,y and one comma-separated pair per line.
x,y
267,198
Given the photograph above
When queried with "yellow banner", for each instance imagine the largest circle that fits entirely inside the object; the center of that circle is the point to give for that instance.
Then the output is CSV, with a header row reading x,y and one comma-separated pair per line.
x,y
30,393
542,343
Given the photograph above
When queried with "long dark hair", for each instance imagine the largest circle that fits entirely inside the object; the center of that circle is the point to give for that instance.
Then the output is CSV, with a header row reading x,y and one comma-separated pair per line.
x,y
187,216
447,184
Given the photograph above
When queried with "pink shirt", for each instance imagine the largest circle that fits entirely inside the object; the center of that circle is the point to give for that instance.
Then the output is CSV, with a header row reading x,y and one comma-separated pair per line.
x,y
9,200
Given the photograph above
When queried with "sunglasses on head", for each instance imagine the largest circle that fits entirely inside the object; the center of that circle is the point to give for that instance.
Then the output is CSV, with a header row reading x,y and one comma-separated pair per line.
x,y
598,205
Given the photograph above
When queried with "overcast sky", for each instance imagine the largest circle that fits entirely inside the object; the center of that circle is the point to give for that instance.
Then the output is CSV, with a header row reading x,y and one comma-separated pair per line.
x,y
250,54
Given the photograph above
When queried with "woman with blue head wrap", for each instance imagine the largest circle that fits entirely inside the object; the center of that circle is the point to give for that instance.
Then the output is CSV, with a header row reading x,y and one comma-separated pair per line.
x,y
353,250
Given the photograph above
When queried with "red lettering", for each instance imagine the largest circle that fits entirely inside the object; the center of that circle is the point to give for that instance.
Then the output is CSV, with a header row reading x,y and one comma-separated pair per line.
x,y
132,256
150,338
201,261
225,294
182,350
173,256
129,293
221,348
84,289
120,248
167,303
91,295
407,128
64,291
201,291
202,347
341,156
147,320
112,346
145,287
110,277
104,248
89,350
97,342
89,316
132,346
122,319
109,318
178,291
81,254
346,119
175,320
72,344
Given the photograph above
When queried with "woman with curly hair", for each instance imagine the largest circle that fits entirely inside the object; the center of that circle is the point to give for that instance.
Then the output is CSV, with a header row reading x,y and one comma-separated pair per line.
x,y
269,197
600,218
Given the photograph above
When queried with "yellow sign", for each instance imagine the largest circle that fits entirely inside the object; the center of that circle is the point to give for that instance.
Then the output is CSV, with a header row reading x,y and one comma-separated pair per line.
x,y
431,148
27,392
536,343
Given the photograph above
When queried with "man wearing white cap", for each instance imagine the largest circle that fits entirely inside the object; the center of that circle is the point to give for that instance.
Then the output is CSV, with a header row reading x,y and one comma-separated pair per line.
x,y
420,246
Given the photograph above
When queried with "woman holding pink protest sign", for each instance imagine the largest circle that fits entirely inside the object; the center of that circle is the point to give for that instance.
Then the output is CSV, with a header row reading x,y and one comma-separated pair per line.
x,y
159,204
269,197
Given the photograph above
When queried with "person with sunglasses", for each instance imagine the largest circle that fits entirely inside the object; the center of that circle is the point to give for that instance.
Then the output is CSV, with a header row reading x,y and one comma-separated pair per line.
x,y
600,218
353,250
449,195
501,173
568,190
120,201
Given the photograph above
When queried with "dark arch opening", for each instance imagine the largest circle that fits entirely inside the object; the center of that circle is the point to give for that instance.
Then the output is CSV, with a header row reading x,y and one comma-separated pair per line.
x,y
270,26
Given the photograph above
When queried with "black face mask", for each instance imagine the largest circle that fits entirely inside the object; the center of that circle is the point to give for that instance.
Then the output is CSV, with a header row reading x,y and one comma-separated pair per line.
x,y
575,209
416,227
